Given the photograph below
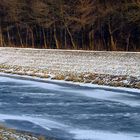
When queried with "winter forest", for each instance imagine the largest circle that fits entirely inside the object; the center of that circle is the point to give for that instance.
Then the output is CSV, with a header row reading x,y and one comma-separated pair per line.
x,y
111,25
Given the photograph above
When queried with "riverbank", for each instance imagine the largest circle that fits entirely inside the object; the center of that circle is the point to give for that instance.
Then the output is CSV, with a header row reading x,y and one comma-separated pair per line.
x,y
117,69
10,134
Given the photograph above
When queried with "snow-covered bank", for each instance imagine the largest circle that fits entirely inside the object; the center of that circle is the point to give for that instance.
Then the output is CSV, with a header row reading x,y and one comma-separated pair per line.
x,y
104,68
42,82
10,134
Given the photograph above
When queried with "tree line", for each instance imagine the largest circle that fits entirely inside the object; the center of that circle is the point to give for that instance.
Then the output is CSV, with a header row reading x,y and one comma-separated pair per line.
x,y
112,25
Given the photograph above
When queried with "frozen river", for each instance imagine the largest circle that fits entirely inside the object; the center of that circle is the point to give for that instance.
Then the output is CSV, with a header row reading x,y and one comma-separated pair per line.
x,y
69,112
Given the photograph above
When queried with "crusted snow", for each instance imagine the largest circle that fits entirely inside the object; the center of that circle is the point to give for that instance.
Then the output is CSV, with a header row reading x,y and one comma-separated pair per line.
x,y
114,63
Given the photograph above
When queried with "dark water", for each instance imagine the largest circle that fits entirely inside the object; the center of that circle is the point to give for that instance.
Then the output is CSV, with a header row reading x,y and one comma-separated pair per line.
x,y
69,112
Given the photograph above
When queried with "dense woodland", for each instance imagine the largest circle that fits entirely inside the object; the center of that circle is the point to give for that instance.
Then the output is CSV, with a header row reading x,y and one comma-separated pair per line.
x,y
71,24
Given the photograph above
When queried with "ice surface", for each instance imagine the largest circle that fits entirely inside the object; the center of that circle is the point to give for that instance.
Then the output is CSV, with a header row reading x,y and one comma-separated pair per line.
x,y
68,97
103,135
44,123
113,96
78,134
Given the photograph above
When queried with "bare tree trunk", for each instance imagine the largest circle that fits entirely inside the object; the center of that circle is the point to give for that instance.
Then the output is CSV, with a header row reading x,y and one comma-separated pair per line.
x,y
55,37
51,37
83,45
112,43
21,42
36,34
65,39
33,42
71,38
32,38
9,38
44,38
61,38
91,40
128,42
1,37
27,33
